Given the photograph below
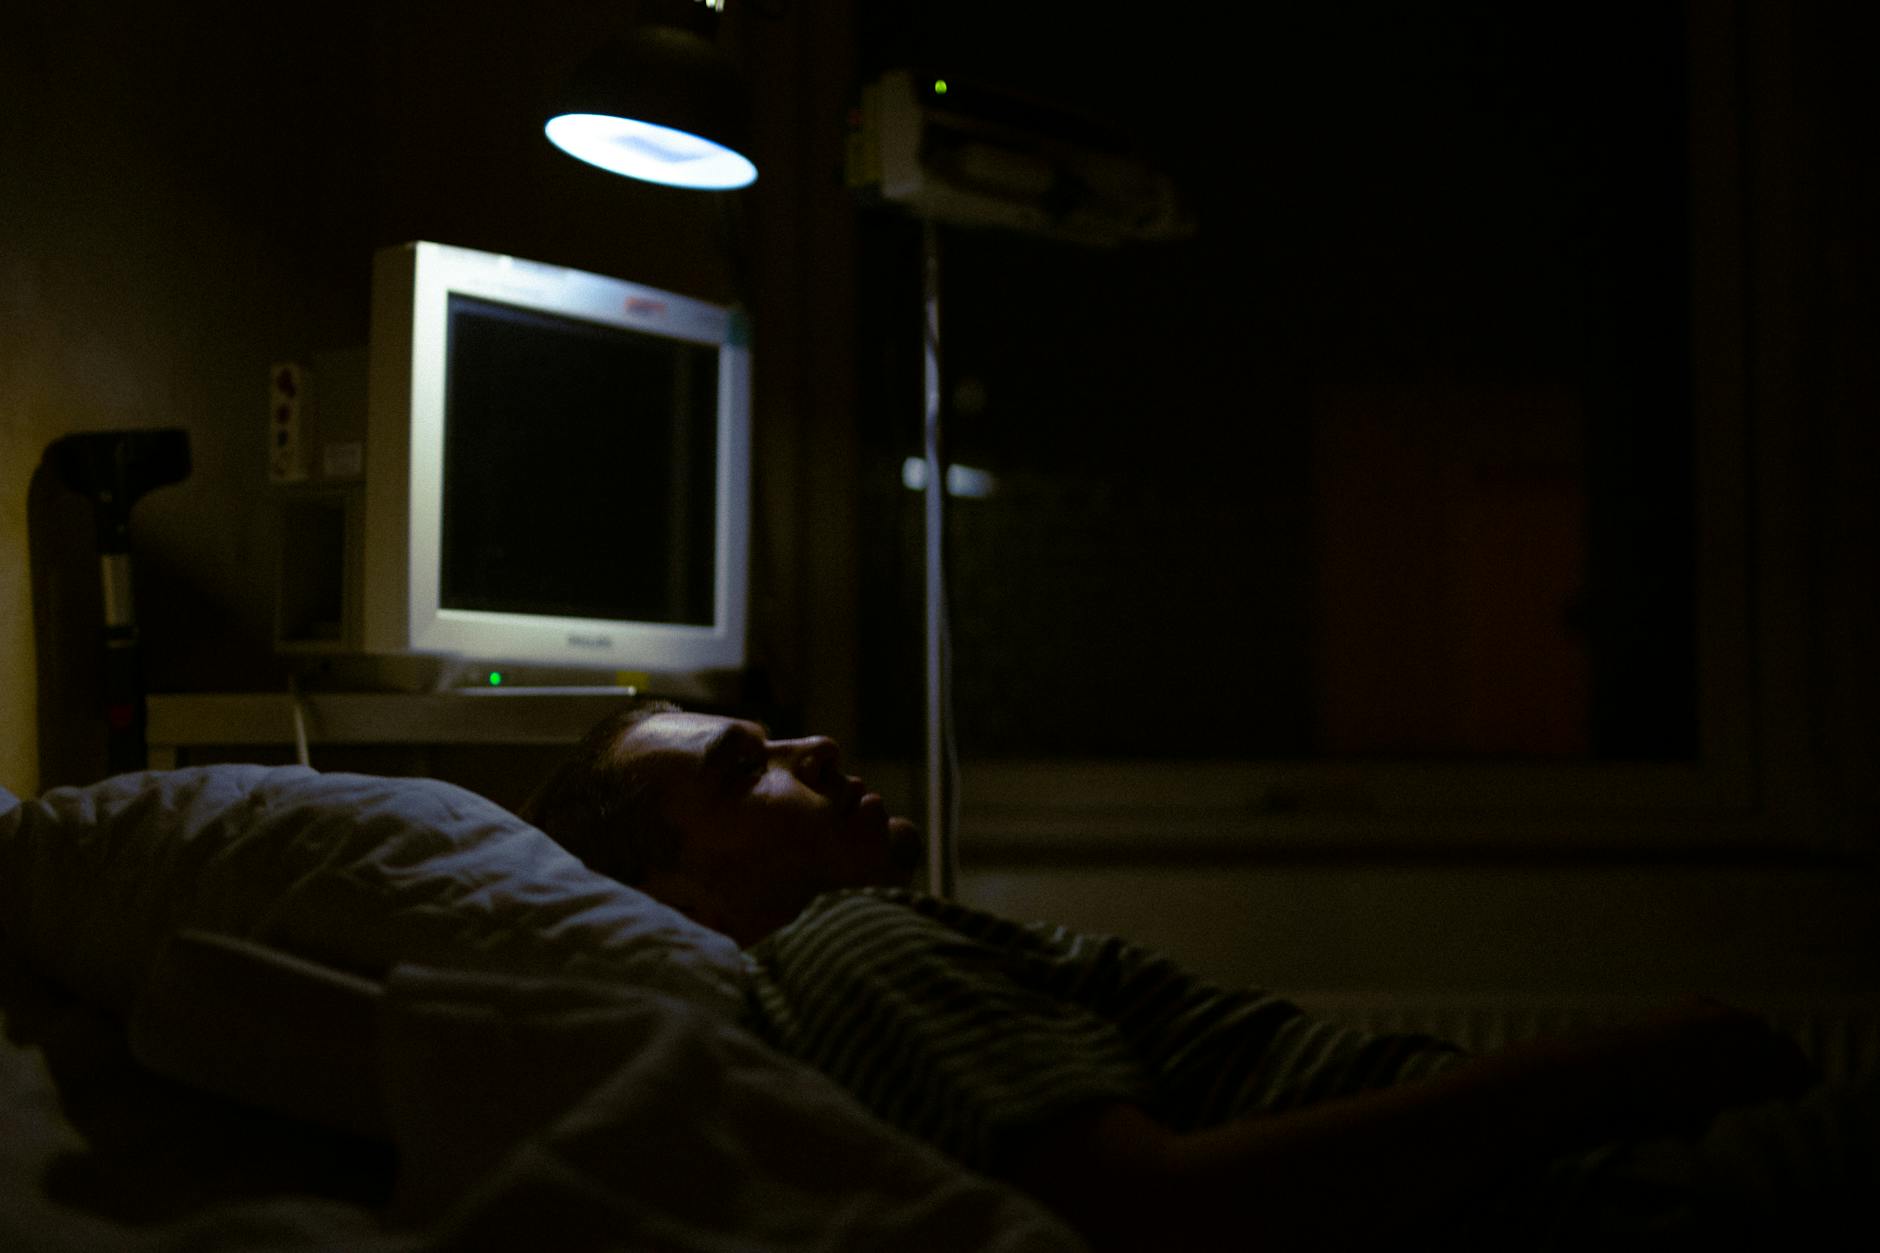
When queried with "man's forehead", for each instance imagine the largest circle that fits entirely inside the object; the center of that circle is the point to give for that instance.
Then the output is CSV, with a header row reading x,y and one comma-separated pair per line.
x,y
681,734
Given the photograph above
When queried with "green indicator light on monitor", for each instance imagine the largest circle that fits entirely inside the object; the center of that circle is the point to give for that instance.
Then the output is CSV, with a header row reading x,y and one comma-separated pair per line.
x,y
496,678
939,86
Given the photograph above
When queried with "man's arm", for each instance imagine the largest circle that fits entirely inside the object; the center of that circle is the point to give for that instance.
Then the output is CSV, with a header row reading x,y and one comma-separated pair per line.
x,y
1366,1165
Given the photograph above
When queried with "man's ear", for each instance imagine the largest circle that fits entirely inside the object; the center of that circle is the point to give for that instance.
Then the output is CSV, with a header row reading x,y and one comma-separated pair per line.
x,y
682,892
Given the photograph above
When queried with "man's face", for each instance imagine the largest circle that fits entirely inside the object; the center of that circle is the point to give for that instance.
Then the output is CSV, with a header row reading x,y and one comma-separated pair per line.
x,y
765,825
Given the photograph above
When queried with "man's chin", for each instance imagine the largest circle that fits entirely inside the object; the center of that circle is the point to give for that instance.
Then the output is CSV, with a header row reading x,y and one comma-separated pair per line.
x,y
907,849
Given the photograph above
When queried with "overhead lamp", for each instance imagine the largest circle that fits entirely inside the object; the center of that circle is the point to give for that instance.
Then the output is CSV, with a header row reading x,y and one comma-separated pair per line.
x,y
661,104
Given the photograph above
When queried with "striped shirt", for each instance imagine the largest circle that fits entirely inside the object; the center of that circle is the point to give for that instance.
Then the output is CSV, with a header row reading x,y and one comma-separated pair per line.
x,y
967,1029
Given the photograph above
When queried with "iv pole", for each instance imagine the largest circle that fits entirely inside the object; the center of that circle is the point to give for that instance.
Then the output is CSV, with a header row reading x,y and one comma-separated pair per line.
x,y
942,849
896,131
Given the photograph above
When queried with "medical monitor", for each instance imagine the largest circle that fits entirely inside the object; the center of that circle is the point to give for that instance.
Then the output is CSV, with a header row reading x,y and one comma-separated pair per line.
x,y
558,468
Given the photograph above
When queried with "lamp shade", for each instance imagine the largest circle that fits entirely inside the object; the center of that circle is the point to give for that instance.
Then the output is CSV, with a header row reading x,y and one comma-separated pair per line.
x,y
661,104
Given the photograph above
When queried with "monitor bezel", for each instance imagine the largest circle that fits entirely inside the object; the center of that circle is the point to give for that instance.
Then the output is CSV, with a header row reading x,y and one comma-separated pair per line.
x,y
406,426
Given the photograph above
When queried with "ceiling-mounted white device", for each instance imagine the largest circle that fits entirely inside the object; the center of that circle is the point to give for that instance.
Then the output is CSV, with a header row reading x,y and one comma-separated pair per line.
x,y
967,155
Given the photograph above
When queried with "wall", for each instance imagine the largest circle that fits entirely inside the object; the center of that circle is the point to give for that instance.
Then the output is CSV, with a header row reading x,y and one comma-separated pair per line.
x,y
177,217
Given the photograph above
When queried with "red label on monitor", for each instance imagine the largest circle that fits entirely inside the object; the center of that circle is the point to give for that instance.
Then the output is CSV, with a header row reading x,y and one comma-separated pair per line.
x,y
644,307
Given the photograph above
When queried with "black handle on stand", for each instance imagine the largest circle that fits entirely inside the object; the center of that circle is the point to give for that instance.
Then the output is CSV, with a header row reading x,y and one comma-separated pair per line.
x,y
114,470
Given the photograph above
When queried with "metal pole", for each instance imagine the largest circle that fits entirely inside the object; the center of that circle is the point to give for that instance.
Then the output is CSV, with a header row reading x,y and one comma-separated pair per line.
x,y
942,859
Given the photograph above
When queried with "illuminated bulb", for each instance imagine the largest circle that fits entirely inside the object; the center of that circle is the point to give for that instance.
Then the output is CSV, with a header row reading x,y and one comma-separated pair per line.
x,y
642,150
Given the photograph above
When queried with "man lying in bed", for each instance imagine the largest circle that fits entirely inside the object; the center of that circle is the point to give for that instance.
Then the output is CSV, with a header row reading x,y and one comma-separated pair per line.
x,y
1150,1109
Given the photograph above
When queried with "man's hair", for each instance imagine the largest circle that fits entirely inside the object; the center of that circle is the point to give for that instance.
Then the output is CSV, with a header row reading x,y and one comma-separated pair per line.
x,y
603,809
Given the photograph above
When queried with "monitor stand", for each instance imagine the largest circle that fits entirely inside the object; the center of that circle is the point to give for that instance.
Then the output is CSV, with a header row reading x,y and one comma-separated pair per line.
x,y
360,672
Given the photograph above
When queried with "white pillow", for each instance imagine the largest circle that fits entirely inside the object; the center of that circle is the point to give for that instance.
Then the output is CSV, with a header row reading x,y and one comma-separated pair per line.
x,y
357,872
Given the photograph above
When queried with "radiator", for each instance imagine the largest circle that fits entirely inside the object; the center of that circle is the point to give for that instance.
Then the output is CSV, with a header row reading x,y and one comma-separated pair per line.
x,y
1842,1038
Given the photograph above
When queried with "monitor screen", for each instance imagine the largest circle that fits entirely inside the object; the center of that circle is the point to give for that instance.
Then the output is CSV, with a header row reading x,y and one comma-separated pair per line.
x,y
578,468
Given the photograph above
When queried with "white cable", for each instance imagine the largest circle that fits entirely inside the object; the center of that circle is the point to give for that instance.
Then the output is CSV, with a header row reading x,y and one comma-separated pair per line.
x,y
298,706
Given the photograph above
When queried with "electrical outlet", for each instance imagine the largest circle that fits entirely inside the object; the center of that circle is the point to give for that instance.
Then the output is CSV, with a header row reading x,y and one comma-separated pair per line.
x,y
287,397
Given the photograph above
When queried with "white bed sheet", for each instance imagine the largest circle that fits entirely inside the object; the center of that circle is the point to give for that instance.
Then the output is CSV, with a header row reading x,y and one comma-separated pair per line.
x,y
559,1054
683,1133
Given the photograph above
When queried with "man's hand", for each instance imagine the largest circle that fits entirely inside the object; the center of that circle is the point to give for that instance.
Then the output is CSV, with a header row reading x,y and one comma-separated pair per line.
x,y
1675,1070
1357,1170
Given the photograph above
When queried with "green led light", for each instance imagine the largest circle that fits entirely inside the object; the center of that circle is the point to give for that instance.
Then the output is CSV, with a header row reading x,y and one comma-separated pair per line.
x,y
939,86
496,678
